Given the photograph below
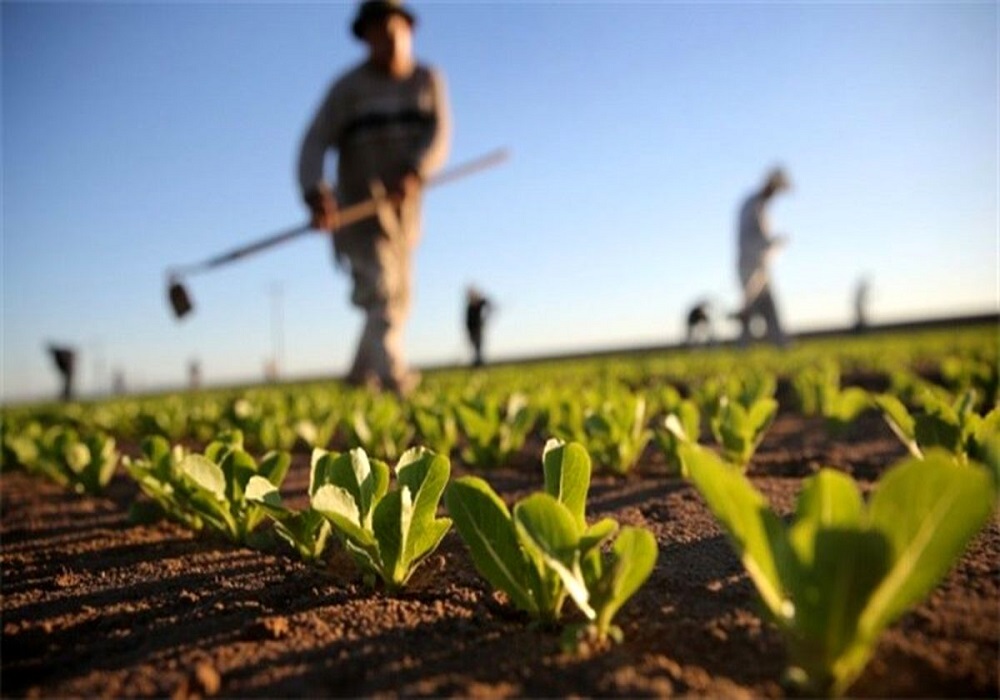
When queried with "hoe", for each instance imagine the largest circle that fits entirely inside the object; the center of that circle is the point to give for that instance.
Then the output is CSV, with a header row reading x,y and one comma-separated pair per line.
x,y
177,294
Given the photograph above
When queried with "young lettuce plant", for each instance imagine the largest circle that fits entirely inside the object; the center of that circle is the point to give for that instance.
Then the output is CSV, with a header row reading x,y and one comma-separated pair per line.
x,y
216,484
544,551
307,531
952,426
318,432
89,461
681,425
819,393
746,388
437,427
84,463
380,426
493,430
842,571
617,433
739,430
21,444
158,475
389,533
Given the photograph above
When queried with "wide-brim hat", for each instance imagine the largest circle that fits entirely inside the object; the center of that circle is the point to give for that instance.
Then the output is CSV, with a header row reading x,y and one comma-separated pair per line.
x,y
377,9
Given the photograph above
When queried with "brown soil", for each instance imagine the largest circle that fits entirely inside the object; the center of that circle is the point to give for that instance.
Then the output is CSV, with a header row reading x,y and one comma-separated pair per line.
x,y
95,606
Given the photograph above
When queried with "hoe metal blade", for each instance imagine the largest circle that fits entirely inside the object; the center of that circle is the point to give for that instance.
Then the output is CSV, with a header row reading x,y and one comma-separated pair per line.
x,y
179,299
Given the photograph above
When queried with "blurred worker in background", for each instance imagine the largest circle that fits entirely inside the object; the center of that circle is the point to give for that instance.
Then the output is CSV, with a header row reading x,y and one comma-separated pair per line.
x,y
389,121
698,323
757,245
65,361
862,292
477,309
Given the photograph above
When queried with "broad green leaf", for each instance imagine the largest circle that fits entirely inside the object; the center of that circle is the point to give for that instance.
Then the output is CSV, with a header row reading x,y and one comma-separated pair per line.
x,y
238,467
77,457
753,529
485,525
676,428
549,524
830,591
208,493
828,500
760,416
205,474
426,475
156,448
939,427
567,477
899,420
320,465
307,532
274,467
597,534
929,510
261,491
633,556
338,505
476,422
846,405
549,533
391,522
733,431
365,480
107,462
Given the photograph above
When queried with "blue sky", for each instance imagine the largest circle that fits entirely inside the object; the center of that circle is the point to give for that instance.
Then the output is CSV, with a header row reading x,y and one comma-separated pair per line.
x,y
137,136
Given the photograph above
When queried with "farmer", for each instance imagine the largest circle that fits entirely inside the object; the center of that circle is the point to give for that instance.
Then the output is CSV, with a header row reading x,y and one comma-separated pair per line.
x,y
699,323
388,119
756,247
65,362
477,308
861,294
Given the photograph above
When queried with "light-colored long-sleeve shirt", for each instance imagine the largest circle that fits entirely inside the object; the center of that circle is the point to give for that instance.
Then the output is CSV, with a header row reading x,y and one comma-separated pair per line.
x,y
756,243
381,128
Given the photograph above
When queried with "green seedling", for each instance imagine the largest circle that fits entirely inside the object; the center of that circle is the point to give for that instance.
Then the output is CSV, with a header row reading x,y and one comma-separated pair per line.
x,y
389,533
682,425
21,445
89,462
616,433
379,426
318,432
980,374
307,531
819,392
746,388
494,430
544,552
83,463
740,430
158,475
842,571
437,427
211,487
952,426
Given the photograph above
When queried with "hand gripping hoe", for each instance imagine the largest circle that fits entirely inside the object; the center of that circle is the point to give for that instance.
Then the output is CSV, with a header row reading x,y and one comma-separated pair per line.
x,y
177,294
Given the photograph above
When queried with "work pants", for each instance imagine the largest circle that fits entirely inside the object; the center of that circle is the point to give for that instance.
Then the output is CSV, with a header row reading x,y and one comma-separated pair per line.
x,y
380,264
763,306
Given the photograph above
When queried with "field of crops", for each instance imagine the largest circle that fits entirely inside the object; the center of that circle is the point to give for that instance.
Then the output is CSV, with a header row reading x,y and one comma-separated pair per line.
x,y
712,522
